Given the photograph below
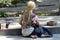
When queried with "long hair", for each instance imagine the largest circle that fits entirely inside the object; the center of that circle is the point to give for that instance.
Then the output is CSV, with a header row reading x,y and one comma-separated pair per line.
x,y
31,5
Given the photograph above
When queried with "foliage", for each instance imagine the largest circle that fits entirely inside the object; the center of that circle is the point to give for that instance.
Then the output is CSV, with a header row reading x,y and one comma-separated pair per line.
x,y
44,14
18,1
21,11
4,1
3,14
13,2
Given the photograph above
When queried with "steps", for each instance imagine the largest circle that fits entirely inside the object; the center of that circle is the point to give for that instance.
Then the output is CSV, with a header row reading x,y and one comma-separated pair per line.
x,y
55,30
17,31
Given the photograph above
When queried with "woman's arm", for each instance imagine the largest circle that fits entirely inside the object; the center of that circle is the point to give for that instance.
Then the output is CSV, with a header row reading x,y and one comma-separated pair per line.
x,y
36,22
20,22
21,19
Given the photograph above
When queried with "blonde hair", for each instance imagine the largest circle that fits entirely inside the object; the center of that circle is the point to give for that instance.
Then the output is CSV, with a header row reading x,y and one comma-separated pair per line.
x,y
31,5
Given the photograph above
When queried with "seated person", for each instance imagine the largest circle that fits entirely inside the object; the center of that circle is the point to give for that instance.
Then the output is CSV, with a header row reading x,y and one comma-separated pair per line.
x,y
30,23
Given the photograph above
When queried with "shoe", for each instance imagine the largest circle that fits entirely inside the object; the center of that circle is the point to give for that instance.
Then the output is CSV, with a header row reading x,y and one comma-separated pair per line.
x,y
34,36
44,36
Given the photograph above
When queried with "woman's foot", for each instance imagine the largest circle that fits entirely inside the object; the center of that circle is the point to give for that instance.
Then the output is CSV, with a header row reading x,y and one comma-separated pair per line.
x,y
34,36
43,35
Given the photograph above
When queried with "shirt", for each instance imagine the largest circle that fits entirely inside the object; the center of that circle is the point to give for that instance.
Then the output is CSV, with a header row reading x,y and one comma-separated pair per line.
x,y
30,29
27,19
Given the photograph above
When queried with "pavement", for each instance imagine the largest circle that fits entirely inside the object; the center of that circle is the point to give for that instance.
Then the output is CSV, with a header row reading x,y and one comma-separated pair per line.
x,y
55,37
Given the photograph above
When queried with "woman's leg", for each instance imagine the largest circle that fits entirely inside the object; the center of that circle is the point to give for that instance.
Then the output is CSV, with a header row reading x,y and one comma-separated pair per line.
x,y
47,32
44,31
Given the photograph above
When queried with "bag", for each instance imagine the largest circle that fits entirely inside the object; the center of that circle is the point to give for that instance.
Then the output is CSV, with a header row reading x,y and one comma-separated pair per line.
x,y
27,31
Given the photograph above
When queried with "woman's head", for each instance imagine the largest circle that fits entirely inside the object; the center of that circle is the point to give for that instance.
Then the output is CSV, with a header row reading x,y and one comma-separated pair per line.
x,y
31,5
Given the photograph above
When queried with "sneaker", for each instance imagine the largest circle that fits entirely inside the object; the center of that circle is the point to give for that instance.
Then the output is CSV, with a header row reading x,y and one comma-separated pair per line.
x,y
43,35
34,36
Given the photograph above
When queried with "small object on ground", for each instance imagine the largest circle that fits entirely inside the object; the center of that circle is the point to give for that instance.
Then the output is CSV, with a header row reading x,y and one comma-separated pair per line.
x,y
3,25
7,24
51,23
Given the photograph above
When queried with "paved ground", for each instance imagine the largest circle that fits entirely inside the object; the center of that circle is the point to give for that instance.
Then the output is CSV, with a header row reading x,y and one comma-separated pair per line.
x,y
55,37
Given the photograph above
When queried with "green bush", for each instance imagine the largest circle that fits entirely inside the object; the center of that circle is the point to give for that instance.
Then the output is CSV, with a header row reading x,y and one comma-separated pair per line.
x,y
4,1
19,1
3,14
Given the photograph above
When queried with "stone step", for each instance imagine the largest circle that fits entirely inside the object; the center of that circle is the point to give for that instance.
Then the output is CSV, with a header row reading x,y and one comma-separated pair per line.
x,y
54,30
17,31
15,37
37,10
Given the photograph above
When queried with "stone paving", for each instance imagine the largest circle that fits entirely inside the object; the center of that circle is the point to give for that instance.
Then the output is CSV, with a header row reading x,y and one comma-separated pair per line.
x,y
55,37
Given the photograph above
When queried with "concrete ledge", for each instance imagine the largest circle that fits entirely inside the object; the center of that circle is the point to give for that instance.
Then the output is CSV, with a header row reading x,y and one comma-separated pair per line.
x,y
55,30
10,32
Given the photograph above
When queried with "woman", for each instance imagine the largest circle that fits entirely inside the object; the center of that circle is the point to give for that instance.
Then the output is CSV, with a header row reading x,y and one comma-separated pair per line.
x,y
30,23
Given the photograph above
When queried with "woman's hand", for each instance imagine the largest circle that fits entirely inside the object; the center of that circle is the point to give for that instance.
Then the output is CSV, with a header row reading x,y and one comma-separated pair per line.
x,y
36,22
20,22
